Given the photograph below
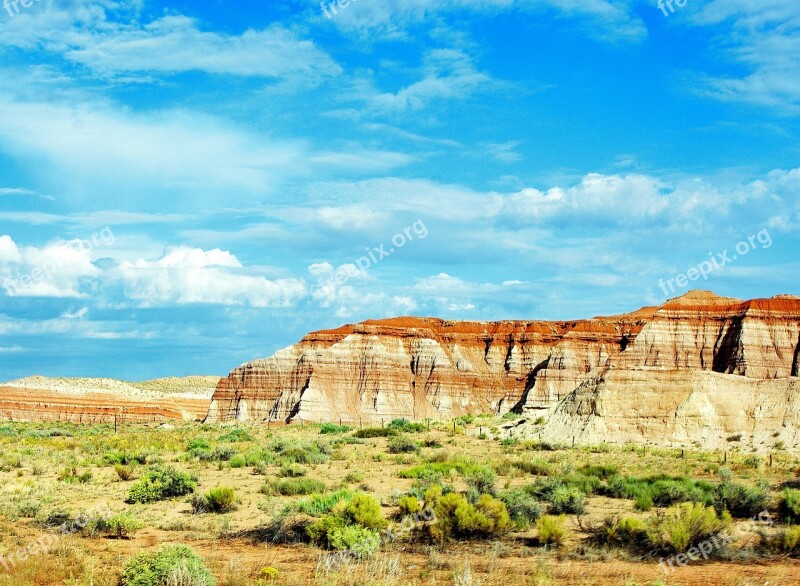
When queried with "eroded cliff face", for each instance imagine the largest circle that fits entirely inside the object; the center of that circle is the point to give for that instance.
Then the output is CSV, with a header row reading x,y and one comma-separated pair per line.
x,y
417,368
697,363
702,369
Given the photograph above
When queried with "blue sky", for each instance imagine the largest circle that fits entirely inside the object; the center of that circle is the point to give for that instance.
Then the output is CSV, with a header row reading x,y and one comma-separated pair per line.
x,y
190,185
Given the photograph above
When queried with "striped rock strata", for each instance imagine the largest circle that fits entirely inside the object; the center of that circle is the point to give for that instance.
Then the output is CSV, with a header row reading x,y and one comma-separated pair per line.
x,y
698,368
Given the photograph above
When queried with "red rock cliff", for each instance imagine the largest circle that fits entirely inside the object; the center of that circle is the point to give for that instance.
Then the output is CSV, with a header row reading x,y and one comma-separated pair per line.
x,y
425,367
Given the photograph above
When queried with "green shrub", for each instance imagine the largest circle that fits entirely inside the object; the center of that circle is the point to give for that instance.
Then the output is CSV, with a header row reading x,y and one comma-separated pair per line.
x,y
330,428
685,525
643,502
197,443
535,467
364,510
401,444
789,540
627,531
523,508
292,471
123,526
409,505
544,488
740,500
237,435
319,504
29,509
161,483
218,454
123,472
267,576
123,458
261,468
293,487
585,484
789,506
357,540
664,491
552,530
361,511
293,452
457,518
171,565
238,461
407,426
433,470
70,475
370,432
568,500
481,479
221,499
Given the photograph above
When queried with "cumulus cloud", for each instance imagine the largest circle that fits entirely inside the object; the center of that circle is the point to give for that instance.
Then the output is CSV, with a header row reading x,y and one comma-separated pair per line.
x,y
58,269
188,276
346,290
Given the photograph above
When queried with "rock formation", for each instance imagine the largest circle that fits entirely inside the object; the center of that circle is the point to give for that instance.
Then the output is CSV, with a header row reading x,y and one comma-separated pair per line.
x,y
695,364
86,400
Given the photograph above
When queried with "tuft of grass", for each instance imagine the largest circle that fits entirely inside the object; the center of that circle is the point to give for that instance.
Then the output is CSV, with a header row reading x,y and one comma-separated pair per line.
x,y
371,432
293,487
172,565
236,435
333,429
789,506
401,444
552,530
319,504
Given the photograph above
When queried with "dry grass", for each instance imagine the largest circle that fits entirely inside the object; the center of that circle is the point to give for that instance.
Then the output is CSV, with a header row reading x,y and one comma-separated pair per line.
x,y
31,457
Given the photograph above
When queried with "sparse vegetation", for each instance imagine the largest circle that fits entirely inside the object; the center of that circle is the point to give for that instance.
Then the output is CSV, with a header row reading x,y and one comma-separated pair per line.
x,y
450,488
161,483
293,487
172,565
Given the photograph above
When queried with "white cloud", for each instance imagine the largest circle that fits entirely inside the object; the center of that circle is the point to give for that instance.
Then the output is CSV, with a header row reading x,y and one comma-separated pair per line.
x,y
448,74
59,269
98,36
606,19
186,276
763,38
347,291
168,149
503,152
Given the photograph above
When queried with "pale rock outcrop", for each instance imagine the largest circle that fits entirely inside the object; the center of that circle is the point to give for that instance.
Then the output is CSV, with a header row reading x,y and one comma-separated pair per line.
x,y
697,369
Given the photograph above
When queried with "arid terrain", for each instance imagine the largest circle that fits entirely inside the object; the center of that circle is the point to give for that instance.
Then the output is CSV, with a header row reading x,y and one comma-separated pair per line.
x,y
658,447
55,474
96,400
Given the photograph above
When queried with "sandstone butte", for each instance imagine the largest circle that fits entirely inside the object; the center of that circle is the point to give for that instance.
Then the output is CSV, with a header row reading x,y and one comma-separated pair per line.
x,y
694,371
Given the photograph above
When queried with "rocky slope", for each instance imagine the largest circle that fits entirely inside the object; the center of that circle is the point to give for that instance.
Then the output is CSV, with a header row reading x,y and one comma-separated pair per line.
x,y
646,373
96,400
